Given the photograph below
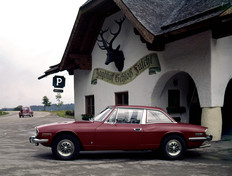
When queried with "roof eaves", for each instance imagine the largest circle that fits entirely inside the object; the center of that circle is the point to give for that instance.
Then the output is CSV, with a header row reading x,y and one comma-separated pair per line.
x,y
62,63
207,14
226,12
85,9
51,70
146,34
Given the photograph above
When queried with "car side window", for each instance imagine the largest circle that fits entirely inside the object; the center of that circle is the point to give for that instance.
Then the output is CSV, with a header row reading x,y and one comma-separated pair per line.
x,y
112,117
133,116
154,116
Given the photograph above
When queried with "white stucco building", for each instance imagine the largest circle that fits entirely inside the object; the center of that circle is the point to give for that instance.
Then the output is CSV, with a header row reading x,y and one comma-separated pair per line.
x,y
192,47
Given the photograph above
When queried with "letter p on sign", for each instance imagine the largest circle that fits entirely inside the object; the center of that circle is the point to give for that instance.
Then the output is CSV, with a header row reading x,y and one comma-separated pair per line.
x,y
58,81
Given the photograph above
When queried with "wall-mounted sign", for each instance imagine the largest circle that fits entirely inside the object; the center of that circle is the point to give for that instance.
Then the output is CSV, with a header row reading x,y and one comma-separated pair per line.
x,y
113,55
58,90
59,81
149,61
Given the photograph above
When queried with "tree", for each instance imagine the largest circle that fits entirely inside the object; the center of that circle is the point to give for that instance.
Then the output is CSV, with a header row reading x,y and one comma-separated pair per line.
x,y
18,108
46,102
59,102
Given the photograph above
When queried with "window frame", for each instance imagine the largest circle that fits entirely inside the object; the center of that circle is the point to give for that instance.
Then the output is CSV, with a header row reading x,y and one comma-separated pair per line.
x,y
91,105
142,121
104,115
123,94
157,110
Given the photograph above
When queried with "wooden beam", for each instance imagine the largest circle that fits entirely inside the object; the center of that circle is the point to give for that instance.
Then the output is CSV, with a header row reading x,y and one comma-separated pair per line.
x,y
84,62
158,43
223,29
79,56
146,34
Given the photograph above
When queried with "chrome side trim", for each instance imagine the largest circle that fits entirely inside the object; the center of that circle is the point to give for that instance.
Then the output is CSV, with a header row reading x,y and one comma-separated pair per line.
x,y
197,138
208,137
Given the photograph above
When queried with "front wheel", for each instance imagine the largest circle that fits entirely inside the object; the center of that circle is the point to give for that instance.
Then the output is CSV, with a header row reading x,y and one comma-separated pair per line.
x,y
173,147
65,147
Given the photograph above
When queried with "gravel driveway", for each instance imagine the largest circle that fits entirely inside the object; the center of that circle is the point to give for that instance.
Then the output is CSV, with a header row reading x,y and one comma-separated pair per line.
x,y
19,157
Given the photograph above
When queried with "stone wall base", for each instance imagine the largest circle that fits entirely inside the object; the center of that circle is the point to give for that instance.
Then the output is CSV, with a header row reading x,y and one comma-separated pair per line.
x,y
212,118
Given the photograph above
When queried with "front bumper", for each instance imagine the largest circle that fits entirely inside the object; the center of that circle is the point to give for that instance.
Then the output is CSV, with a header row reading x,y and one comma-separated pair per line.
x,y
37,141
207,138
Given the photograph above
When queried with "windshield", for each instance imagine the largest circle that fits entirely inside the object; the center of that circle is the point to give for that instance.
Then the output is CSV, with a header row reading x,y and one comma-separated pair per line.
x,y
102,115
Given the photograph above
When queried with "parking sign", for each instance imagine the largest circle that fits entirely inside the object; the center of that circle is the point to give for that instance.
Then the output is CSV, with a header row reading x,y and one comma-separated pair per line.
x,y
59,81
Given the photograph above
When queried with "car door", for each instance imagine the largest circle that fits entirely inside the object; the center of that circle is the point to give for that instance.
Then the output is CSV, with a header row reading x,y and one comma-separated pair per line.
x,y
156,125
121,131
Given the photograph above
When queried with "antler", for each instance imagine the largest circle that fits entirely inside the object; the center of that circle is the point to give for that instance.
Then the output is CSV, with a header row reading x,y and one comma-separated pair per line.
x,y
104,42
116,33
108,45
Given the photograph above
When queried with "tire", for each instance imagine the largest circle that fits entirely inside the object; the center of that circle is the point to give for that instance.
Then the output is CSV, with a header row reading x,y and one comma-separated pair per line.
x,y
173,147
65,147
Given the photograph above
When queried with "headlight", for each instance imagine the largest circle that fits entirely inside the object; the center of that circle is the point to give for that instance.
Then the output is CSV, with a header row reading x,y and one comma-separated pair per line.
x,y
36,131
206,130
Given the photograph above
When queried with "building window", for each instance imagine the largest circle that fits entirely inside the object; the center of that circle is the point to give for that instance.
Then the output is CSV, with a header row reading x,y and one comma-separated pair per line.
x,y
173,98
89,105
174,102
121,98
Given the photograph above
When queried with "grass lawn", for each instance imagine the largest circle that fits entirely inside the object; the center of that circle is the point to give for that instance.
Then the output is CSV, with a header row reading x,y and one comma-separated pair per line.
x,y
62,114
3,113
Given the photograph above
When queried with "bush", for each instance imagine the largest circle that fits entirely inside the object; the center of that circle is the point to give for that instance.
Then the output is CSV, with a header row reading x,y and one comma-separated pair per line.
x,y
64,114
69,113
86,116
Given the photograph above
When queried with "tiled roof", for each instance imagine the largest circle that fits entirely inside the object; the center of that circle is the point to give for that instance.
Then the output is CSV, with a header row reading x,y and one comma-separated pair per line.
x,y
156,21
162,16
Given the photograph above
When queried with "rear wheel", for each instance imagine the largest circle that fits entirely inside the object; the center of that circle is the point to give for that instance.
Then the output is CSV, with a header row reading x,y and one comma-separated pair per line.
x,y
65,147
173,147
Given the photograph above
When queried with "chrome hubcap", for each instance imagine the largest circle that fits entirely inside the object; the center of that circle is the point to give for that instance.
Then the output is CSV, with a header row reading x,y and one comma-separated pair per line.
x,y
65,147
173,147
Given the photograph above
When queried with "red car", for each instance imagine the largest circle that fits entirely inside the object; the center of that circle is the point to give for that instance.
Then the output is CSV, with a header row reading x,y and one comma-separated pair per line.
x,y
122,128
25,111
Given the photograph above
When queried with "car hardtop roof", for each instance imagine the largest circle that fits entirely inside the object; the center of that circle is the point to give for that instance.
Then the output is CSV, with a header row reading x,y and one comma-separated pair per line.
x,y
136,106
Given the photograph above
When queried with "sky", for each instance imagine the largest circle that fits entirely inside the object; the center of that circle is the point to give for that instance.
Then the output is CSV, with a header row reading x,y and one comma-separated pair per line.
x,y
33,36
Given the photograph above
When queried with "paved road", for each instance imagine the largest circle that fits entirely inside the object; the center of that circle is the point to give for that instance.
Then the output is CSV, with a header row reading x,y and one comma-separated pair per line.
x,y
19,157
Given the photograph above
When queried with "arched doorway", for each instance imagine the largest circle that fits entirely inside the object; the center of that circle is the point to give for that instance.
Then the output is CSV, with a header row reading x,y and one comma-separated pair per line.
x,y
176,93
194,104
226,111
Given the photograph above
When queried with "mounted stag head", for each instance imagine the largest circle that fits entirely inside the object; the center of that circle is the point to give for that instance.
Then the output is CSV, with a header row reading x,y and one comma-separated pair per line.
x,y
113,55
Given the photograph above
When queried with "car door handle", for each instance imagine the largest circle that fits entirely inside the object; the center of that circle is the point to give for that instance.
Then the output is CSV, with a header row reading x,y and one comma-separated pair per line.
x,y
137,129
